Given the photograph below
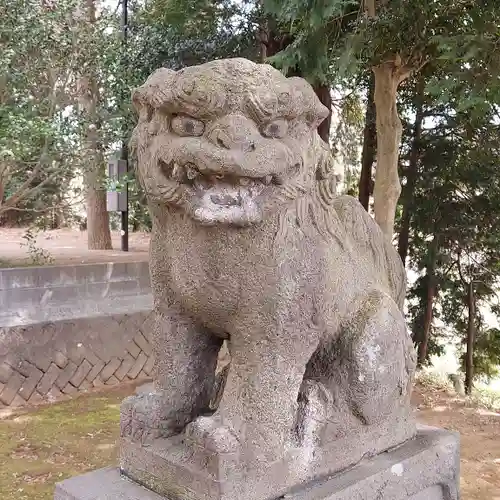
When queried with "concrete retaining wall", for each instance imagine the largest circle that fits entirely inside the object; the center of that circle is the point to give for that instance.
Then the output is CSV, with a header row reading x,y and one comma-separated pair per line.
x,y
65,329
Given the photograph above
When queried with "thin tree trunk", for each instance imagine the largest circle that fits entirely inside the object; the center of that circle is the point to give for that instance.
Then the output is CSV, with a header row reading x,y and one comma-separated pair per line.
x,y
429,307
429,303
411,179
325,96
263,39
98,231
388,76
369,146
389,130
471,338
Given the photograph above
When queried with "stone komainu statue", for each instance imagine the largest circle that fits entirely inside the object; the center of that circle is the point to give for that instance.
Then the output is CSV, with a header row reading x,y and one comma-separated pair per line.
x,y
251,244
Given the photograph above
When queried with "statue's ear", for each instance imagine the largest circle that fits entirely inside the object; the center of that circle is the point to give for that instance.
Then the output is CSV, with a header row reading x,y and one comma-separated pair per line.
x,y
155,91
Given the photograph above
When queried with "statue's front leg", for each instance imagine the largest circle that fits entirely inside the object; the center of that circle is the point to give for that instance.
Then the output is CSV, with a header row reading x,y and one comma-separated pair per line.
x,y
257,413
185,361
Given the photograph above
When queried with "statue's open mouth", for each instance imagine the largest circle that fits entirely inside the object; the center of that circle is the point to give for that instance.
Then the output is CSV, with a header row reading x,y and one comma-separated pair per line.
x,y
220,198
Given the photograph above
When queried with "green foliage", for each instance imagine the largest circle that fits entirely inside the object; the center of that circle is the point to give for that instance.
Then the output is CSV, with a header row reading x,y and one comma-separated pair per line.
x,y
38,256
318,33
334,38
454,221
486,355
45,49
177,34
36,140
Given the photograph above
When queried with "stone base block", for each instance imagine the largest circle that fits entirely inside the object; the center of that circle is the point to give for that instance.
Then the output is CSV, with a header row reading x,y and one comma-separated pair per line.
x,y
102,484
424,468
182,469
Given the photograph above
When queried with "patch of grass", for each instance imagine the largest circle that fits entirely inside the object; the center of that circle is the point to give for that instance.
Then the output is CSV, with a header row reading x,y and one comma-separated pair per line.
x,y
43,446
481,397
431,380
6,264
486,398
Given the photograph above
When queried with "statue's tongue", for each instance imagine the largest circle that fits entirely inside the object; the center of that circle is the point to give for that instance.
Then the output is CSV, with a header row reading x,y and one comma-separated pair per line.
x,y
225,196
226,204
226,199
222,195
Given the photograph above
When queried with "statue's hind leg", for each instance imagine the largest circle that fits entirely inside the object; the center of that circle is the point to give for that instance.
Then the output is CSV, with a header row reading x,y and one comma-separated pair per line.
x,y
359,377
376,360
184,372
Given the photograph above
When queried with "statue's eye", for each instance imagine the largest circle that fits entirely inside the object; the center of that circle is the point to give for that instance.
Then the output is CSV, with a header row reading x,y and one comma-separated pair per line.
x,y
276,129
187,126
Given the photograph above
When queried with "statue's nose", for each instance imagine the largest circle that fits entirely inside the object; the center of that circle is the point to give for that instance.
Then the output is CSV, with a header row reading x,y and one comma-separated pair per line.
x,y
234,132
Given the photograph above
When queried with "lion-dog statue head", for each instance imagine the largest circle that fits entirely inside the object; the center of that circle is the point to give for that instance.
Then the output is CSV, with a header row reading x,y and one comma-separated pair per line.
x,y
229,141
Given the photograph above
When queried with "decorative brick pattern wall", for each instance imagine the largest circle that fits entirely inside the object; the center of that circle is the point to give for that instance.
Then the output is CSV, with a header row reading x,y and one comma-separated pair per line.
x,y
50,361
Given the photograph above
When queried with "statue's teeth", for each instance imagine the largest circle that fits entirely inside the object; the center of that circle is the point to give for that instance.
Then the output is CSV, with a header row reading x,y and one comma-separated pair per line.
x,y
191,172
177,173
268,179
245,181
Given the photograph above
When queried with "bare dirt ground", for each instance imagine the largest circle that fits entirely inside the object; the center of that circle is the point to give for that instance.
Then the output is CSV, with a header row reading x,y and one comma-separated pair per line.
x,y
480,440
68,246
42,446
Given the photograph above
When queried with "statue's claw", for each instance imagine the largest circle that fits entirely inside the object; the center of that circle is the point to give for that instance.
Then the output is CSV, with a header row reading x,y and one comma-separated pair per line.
x,y
142,419
211,434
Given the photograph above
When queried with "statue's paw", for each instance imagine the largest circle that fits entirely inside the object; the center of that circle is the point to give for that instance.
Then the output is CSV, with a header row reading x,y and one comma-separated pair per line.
x,y
142,419
211,434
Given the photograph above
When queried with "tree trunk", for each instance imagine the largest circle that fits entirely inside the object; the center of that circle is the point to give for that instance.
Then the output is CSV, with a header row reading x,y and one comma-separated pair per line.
x,y
271,42
429,304
471,338
369,147
98,232
389,130
324,95
411,179
263,39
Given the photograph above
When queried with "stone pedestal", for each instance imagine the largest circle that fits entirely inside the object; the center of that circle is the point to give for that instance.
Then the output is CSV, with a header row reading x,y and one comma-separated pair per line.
x,y
424,468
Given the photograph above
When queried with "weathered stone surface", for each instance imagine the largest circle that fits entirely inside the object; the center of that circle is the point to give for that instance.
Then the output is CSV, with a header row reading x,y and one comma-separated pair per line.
x,y
104,484
110,369
5,372
60,359
82,371
137,366
66,374
39,294
49,379
69,389
33,376
11,388
77,324
426,468
252,244
38,359
125,366
96,369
